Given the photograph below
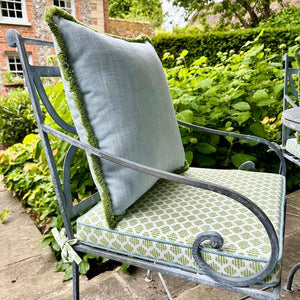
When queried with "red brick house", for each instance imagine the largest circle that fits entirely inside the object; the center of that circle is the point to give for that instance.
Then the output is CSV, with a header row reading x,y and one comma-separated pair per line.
x,y
27,17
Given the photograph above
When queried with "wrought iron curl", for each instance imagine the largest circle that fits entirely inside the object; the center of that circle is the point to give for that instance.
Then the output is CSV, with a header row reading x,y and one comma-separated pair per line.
x,y
216,241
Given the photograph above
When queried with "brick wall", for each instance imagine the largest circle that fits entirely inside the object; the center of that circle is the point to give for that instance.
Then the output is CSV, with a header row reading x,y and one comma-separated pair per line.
x,y
130,28
90,12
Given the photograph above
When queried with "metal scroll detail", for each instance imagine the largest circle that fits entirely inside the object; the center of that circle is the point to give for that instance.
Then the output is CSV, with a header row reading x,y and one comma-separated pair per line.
x,y
216,242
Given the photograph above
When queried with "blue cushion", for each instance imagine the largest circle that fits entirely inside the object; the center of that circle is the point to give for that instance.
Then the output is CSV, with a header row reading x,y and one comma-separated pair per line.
x,y
120,102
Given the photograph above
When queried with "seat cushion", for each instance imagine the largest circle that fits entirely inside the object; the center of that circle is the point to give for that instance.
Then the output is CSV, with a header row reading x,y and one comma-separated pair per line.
x,y
292,114
162,225
293,147
120,103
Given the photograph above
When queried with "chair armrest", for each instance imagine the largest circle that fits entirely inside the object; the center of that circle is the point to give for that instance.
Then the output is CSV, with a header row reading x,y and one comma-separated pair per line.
x,y
271,145
216,239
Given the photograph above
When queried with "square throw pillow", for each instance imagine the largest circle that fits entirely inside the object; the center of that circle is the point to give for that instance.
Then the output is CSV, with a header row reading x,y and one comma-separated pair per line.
x,y
120,102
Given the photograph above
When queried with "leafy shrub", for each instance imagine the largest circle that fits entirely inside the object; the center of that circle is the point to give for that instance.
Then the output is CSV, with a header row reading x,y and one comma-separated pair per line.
x,y
16,117
241,94
288,16
26,173
11,78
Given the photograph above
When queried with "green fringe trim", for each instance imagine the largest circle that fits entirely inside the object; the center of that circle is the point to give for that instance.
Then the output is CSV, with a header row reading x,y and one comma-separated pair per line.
x,y
69,76
183,169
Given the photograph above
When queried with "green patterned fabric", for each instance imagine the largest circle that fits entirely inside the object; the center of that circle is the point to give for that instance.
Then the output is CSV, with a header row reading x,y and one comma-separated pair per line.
x,y
293,147
162,225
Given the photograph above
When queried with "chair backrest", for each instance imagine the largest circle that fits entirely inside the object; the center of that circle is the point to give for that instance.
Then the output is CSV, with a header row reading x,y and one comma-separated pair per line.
x,y
290,90
33,78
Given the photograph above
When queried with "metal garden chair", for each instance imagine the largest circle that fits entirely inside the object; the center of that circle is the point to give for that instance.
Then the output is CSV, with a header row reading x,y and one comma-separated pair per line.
x,y
221,228
291,111
291,123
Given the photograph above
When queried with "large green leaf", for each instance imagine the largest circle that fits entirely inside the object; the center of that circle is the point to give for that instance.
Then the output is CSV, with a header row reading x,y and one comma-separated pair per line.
x,y
205,148
260,95
185,116
266,102
189,157
257,129
241,117
242,106
204,84
238,159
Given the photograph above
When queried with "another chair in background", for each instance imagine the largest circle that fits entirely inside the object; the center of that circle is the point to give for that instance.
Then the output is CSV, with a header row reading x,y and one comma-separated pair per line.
x,y
291,123
291,111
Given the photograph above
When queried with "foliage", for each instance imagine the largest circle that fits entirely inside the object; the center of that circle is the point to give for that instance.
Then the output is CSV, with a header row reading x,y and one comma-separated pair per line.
x,y
186,30
11,78
23,168
210,43
248,13
141,10
288,16
16,117
241,94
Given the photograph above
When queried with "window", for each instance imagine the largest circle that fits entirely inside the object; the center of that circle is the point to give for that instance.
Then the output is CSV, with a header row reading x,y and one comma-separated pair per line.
x,y
14,64
67,5
13,12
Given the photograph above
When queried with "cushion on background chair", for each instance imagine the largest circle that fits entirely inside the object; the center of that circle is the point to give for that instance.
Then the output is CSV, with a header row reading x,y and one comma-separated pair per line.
x,y
120,102
292,115
293,147
162,225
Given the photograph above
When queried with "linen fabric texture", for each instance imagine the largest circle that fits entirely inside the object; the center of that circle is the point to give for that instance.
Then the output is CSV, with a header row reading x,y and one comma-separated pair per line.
x,y
120,102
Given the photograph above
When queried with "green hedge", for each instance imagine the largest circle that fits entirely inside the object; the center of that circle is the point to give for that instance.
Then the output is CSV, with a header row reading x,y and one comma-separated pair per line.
x,y
209,44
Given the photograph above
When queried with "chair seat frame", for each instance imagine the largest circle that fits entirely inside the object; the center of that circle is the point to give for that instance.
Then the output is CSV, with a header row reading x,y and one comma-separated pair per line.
x,y
33,75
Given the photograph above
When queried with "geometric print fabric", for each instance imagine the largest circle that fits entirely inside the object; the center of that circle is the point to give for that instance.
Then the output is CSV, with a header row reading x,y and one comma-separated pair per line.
x,y
293,147
162,225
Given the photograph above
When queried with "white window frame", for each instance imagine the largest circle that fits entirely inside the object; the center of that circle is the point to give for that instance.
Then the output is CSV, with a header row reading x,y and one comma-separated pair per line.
x,y
72,12
15,55
15,20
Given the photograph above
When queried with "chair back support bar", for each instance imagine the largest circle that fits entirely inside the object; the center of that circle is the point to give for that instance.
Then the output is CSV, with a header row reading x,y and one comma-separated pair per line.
x,y
289,71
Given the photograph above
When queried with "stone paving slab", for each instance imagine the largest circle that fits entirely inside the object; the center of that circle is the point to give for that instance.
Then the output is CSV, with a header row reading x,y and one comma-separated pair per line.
x,y
28,273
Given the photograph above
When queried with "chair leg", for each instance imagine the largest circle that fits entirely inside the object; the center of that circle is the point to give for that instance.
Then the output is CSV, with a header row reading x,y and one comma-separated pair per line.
x,y
75,281
291,277
148,277
165,286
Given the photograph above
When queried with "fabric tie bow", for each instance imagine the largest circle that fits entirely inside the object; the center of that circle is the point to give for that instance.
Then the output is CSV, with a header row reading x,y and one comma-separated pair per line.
x,y
68,254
